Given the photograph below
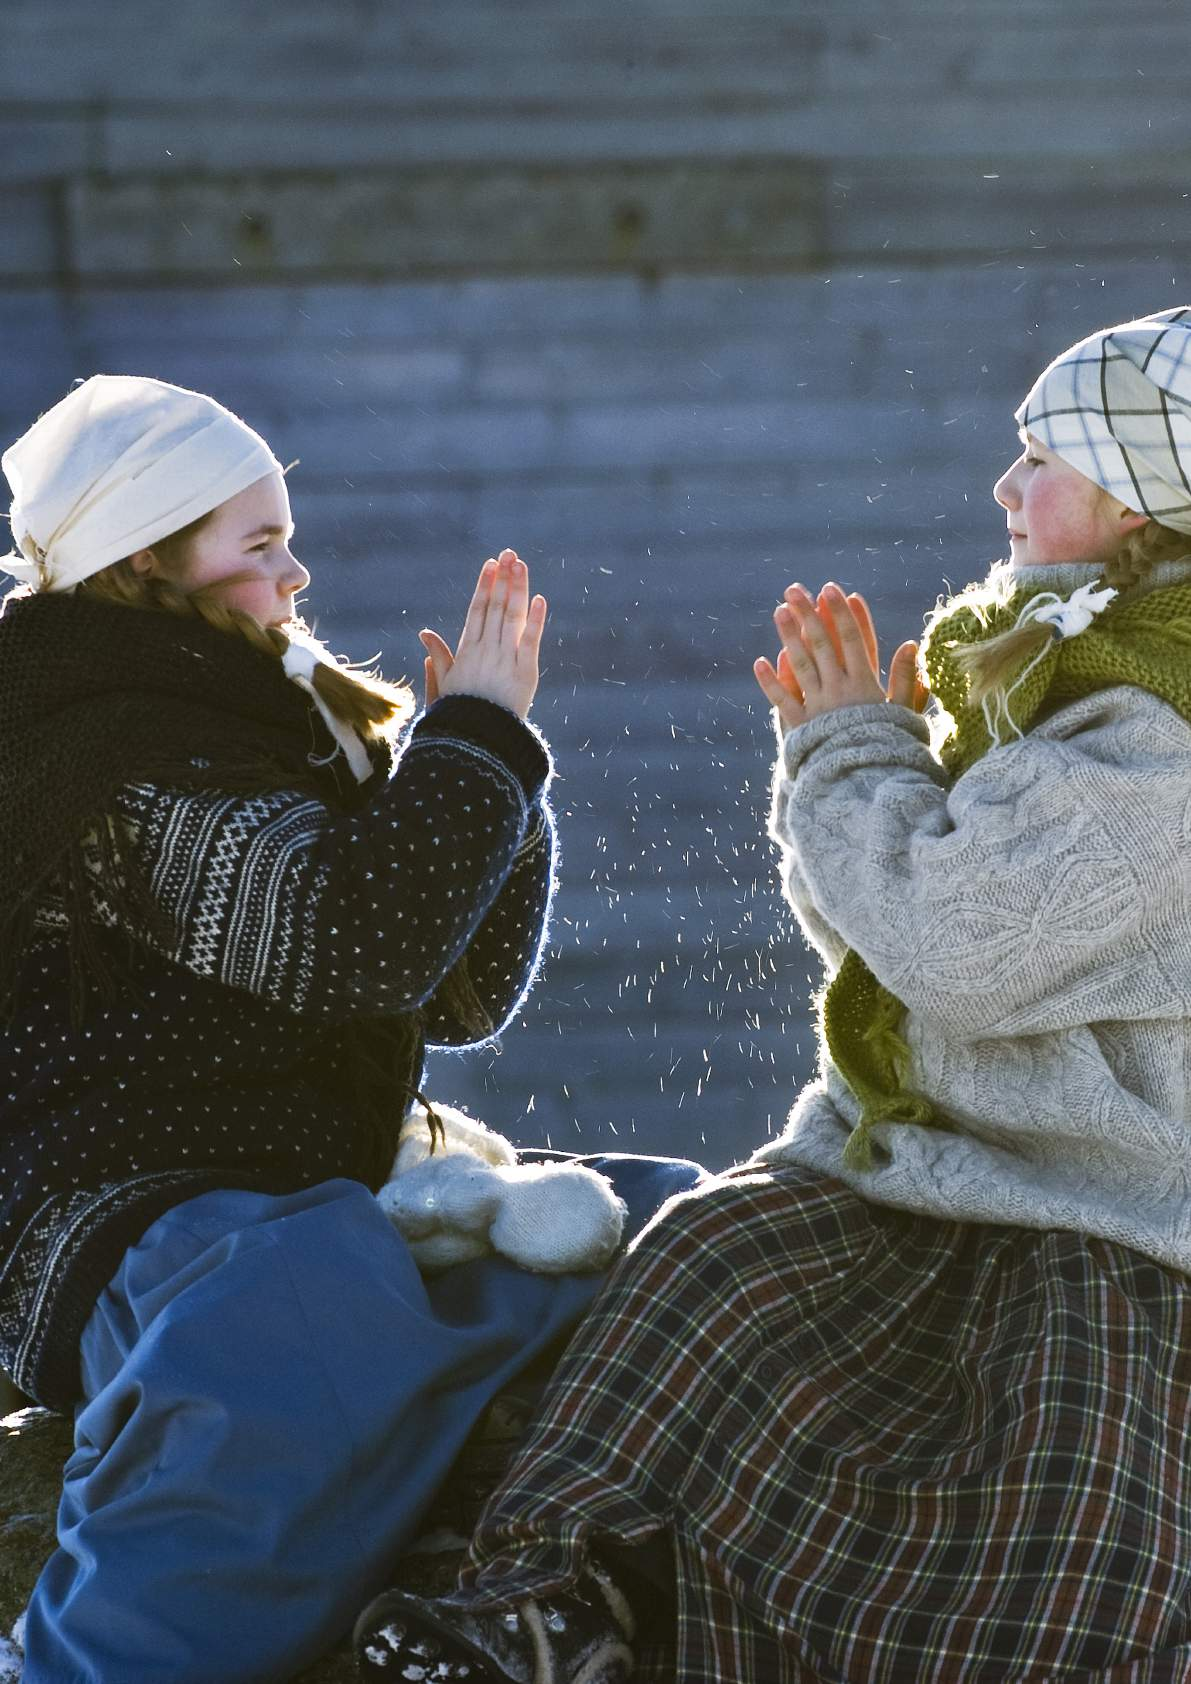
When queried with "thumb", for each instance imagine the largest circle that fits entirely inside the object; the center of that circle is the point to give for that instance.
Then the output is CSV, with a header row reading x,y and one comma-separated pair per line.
x,y
903,676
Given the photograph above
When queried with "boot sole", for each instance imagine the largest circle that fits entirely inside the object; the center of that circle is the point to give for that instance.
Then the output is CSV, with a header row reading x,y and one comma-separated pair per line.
x,y
397,1607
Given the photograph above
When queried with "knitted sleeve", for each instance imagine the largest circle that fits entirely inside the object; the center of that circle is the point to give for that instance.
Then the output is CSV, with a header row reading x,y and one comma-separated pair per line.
x,y
1047,888
503,955
817,932
331,914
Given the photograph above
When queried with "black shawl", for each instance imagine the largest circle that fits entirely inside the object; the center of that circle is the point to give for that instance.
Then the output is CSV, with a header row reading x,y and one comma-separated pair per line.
x,y
94,695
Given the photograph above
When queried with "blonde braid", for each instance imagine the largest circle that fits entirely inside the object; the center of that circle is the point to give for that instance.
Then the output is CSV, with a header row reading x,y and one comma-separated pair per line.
x,y
989,665
1144,550
360,698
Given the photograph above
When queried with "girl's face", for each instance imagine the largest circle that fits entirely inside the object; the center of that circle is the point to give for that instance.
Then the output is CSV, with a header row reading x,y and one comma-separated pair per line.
x,y
1057,514
245,541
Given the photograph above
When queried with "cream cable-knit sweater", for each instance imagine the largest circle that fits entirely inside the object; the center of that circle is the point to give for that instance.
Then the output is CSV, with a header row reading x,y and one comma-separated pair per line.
x,y
1035,918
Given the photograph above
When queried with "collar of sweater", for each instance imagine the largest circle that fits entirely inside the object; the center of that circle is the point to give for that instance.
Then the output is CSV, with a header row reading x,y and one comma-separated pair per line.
x,y
1140,638
1007,579
1065,577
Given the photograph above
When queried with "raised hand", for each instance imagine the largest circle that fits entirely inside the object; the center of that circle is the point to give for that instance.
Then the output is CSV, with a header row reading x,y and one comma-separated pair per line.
x,y
829,659
497,656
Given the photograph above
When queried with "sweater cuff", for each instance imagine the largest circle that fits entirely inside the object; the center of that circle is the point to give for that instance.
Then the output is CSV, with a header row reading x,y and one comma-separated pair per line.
x,y
497,729
799,744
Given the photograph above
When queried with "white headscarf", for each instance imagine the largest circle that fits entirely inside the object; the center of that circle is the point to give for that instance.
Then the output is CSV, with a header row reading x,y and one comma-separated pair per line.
x,y
1117,406
120,462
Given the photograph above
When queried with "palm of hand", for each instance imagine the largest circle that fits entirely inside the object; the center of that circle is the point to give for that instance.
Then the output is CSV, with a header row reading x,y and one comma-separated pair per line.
x,y
497,654
829,659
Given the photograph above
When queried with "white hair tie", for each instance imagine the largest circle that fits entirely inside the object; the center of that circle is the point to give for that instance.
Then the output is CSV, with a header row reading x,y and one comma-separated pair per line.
x,y
299,662
1071,617
1066,618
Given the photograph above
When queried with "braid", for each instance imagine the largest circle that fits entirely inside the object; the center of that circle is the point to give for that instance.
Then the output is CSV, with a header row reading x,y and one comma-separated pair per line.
x,y
1144,550
357,696
988,665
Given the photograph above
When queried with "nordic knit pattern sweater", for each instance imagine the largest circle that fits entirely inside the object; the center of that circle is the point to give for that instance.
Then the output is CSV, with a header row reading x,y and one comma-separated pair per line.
x,y
1034,917
220,1061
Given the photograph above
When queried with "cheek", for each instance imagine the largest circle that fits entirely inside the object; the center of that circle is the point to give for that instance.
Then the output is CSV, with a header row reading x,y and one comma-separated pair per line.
x,y
1063,522
254,596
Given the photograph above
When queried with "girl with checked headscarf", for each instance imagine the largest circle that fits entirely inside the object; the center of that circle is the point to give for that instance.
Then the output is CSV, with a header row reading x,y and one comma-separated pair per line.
x,y
906,1395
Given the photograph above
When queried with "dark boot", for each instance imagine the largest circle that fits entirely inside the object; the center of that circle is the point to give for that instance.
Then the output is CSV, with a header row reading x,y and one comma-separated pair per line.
x,y
575,1637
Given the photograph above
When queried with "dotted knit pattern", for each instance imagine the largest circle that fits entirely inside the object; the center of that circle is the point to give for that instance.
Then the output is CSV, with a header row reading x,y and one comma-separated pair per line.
x,y
1034,916
220,1059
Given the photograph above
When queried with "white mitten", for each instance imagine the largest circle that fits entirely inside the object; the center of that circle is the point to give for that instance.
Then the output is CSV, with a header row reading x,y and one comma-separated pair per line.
x,y
461,1133
473,1197
556,1217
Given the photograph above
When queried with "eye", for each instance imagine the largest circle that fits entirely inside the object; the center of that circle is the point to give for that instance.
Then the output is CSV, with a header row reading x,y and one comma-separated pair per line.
x,y
262,546
1032,461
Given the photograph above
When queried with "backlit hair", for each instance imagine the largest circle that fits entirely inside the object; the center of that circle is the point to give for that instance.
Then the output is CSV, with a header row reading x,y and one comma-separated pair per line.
x,y
990,665
373,707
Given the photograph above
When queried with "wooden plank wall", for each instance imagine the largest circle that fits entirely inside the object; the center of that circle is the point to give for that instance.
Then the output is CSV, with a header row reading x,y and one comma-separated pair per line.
x,y
684,300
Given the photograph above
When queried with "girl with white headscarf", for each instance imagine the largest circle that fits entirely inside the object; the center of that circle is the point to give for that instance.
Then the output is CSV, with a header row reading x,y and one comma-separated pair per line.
x,y
233,911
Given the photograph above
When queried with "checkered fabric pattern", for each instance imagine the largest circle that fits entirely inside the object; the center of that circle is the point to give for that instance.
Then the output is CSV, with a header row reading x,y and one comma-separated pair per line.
x,y
889,1448
1117,406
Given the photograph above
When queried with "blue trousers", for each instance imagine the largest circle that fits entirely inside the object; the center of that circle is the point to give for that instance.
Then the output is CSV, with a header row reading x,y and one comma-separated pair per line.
x,y
272,1397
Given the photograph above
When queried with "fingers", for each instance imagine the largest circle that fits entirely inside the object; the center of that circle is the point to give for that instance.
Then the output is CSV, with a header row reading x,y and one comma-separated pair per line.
x,y
500,601
514,575
772,687
497,657
905,687
531,637
868,631
831,594
477,611
852,651
823,604
819,638
790,710
828,655
439,651
797,660
438,663
785,673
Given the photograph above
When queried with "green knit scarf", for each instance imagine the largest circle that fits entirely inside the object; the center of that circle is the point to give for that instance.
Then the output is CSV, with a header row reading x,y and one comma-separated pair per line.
x,y
1140,639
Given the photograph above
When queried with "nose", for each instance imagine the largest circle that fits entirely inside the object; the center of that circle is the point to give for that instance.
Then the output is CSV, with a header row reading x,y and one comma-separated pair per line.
x,y
1005,490
295,578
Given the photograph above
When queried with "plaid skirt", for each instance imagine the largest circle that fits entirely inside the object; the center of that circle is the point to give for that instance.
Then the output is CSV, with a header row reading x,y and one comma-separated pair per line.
x,y
888,1449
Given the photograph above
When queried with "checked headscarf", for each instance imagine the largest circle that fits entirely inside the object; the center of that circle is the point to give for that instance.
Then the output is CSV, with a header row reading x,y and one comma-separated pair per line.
x,y
1117,406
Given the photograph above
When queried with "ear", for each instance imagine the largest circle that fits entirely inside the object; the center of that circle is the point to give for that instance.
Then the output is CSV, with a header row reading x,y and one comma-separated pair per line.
x,y
144,564
1131,521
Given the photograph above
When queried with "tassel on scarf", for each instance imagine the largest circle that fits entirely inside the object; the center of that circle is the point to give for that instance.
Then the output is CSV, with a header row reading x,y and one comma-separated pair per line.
x,y
860,1025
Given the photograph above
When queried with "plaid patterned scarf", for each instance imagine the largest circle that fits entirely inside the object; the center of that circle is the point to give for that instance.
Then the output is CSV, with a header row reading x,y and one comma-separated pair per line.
x,y
1142,639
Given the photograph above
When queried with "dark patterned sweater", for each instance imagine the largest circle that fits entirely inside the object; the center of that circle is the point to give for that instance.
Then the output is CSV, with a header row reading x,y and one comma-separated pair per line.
x,y
221,1060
